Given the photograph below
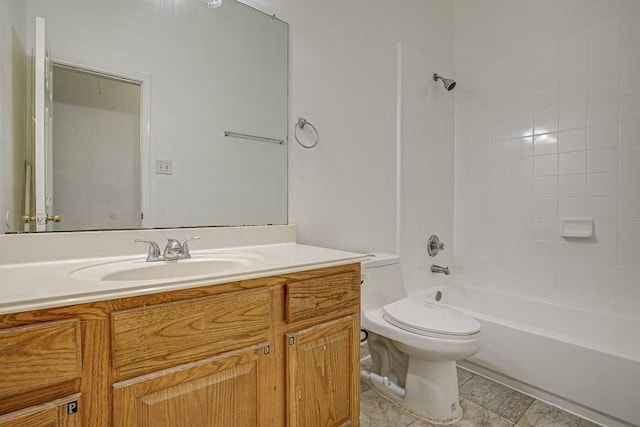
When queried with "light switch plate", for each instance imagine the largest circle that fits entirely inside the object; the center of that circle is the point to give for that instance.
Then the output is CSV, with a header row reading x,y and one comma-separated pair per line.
x,y
164,167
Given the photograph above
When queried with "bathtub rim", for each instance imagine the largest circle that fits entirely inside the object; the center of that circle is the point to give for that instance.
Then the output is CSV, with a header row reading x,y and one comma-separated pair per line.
x,y
429,295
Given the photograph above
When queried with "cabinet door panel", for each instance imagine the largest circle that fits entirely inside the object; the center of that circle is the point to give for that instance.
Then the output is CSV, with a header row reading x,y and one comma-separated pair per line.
x,y
323,374
220,391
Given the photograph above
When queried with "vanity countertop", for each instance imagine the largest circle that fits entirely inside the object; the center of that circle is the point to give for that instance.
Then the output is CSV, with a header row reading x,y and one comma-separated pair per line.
x,y
38,285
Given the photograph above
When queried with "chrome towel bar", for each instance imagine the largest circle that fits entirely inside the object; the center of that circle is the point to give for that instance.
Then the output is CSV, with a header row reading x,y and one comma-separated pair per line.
x,y
253,137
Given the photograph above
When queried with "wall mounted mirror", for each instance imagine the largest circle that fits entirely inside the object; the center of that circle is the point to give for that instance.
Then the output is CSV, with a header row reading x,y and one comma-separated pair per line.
x,y
163,113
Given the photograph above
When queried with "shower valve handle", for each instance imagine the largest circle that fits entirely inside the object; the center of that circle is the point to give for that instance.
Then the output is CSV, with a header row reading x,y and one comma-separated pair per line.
x,y
434,245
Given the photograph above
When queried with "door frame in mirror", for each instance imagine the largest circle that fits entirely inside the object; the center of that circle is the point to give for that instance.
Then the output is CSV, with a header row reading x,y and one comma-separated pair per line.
x,y
145,116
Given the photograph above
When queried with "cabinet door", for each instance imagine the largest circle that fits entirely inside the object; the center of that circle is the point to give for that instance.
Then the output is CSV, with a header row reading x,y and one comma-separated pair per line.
x,y
226,390
323,374
59,413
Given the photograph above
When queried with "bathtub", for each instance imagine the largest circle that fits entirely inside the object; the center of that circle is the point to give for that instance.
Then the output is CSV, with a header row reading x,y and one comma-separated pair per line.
x,y
585,362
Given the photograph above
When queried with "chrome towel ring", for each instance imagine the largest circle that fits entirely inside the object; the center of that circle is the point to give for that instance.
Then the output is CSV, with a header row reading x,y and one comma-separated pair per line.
x,y
302,122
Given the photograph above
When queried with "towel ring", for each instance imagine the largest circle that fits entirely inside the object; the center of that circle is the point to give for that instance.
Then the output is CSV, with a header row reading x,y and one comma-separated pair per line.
x,y
302,122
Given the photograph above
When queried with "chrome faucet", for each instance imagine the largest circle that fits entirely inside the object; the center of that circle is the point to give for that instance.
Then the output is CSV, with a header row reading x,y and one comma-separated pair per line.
x,y
173,251
176,249
439,269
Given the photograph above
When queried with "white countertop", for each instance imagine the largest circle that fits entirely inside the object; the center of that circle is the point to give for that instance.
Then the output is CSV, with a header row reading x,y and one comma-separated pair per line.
x,y
38,285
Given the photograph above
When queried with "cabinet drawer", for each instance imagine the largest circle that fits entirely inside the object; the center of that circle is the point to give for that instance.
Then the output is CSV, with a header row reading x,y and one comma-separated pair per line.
x,y
322,298
150,338
38,356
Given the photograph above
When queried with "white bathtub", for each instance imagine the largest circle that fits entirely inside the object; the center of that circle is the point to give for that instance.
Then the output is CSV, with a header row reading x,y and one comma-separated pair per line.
x,y
585,362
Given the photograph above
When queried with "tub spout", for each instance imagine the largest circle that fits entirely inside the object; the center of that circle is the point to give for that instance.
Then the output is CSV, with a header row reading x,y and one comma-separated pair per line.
x,y
439,269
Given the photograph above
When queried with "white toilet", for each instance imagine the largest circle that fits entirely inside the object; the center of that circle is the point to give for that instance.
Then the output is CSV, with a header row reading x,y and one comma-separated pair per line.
x,y
414,344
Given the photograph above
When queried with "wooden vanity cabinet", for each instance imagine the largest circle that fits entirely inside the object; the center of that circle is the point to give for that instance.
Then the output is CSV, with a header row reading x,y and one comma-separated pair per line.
x,y
323,350
274,351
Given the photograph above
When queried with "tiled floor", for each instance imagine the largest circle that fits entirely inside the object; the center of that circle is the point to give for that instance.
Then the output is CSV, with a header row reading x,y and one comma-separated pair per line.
x,y
484,403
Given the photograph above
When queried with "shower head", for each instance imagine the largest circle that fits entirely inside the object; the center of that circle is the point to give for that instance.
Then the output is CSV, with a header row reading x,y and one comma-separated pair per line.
x,y
449,84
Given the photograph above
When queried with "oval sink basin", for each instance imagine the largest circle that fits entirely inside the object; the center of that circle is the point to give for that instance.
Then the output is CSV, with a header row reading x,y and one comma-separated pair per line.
x,y
198,265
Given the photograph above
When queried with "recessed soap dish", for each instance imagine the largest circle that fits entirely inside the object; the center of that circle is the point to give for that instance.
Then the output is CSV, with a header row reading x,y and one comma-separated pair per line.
x,y
576,227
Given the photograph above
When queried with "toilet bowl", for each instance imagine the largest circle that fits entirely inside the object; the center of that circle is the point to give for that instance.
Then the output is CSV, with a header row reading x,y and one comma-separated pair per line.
x,y
414,344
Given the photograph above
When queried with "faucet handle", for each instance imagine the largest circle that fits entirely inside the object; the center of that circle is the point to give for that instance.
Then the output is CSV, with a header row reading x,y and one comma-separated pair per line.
x,y
185,246
154,250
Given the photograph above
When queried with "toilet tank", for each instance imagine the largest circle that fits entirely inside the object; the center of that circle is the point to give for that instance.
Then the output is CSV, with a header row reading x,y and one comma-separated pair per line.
x,y
382,280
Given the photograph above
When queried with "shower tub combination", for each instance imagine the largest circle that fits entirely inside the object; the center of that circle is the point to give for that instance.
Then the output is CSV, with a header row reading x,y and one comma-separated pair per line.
x,y
583,361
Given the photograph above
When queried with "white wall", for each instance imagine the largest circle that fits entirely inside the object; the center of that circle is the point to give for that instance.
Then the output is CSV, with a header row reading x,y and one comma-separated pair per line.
x,y
548,126
343,78
13,70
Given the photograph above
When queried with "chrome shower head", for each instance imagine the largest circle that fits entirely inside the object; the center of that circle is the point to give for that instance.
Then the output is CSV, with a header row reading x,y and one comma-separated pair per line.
x,y
449,84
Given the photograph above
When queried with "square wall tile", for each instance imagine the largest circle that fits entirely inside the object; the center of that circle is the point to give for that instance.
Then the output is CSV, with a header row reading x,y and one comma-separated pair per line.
x,y
602,184
546,208
572,116
545,230
572,185
522,167
629,233
629,183
545,121
546,55
522,147
603,136
602,112
630,132
545,144
572,53
603,160
604,87
628,257
630,81
603,62
629,208
521,208
604,208
630,107
545,186
572,90
603,37
571,207
572,140
546,165
630,56
629,157
630,30
521,187
522,126
572,163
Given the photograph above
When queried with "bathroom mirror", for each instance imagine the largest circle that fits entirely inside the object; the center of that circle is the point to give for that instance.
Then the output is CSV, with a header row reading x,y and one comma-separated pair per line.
x,y
166,113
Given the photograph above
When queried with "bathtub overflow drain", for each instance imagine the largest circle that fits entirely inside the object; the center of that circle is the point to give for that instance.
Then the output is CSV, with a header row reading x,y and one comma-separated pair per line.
x,y
438,296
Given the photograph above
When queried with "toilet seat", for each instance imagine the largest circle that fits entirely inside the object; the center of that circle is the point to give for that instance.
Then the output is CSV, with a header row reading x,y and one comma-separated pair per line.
x,y
430,320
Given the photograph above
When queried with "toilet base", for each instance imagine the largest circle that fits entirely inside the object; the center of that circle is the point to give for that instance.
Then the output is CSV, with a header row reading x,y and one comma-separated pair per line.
x,y
431,391
430,388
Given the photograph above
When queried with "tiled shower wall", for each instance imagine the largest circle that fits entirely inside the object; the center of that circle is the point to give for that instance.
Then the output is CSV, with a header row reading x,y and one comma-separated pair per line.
x,y
548,127
426,166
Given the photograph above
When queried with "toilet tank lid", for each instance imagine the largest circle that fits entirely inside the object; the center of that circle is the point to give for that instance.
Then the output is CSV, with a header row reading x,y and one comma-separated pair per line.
x,y
378,259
